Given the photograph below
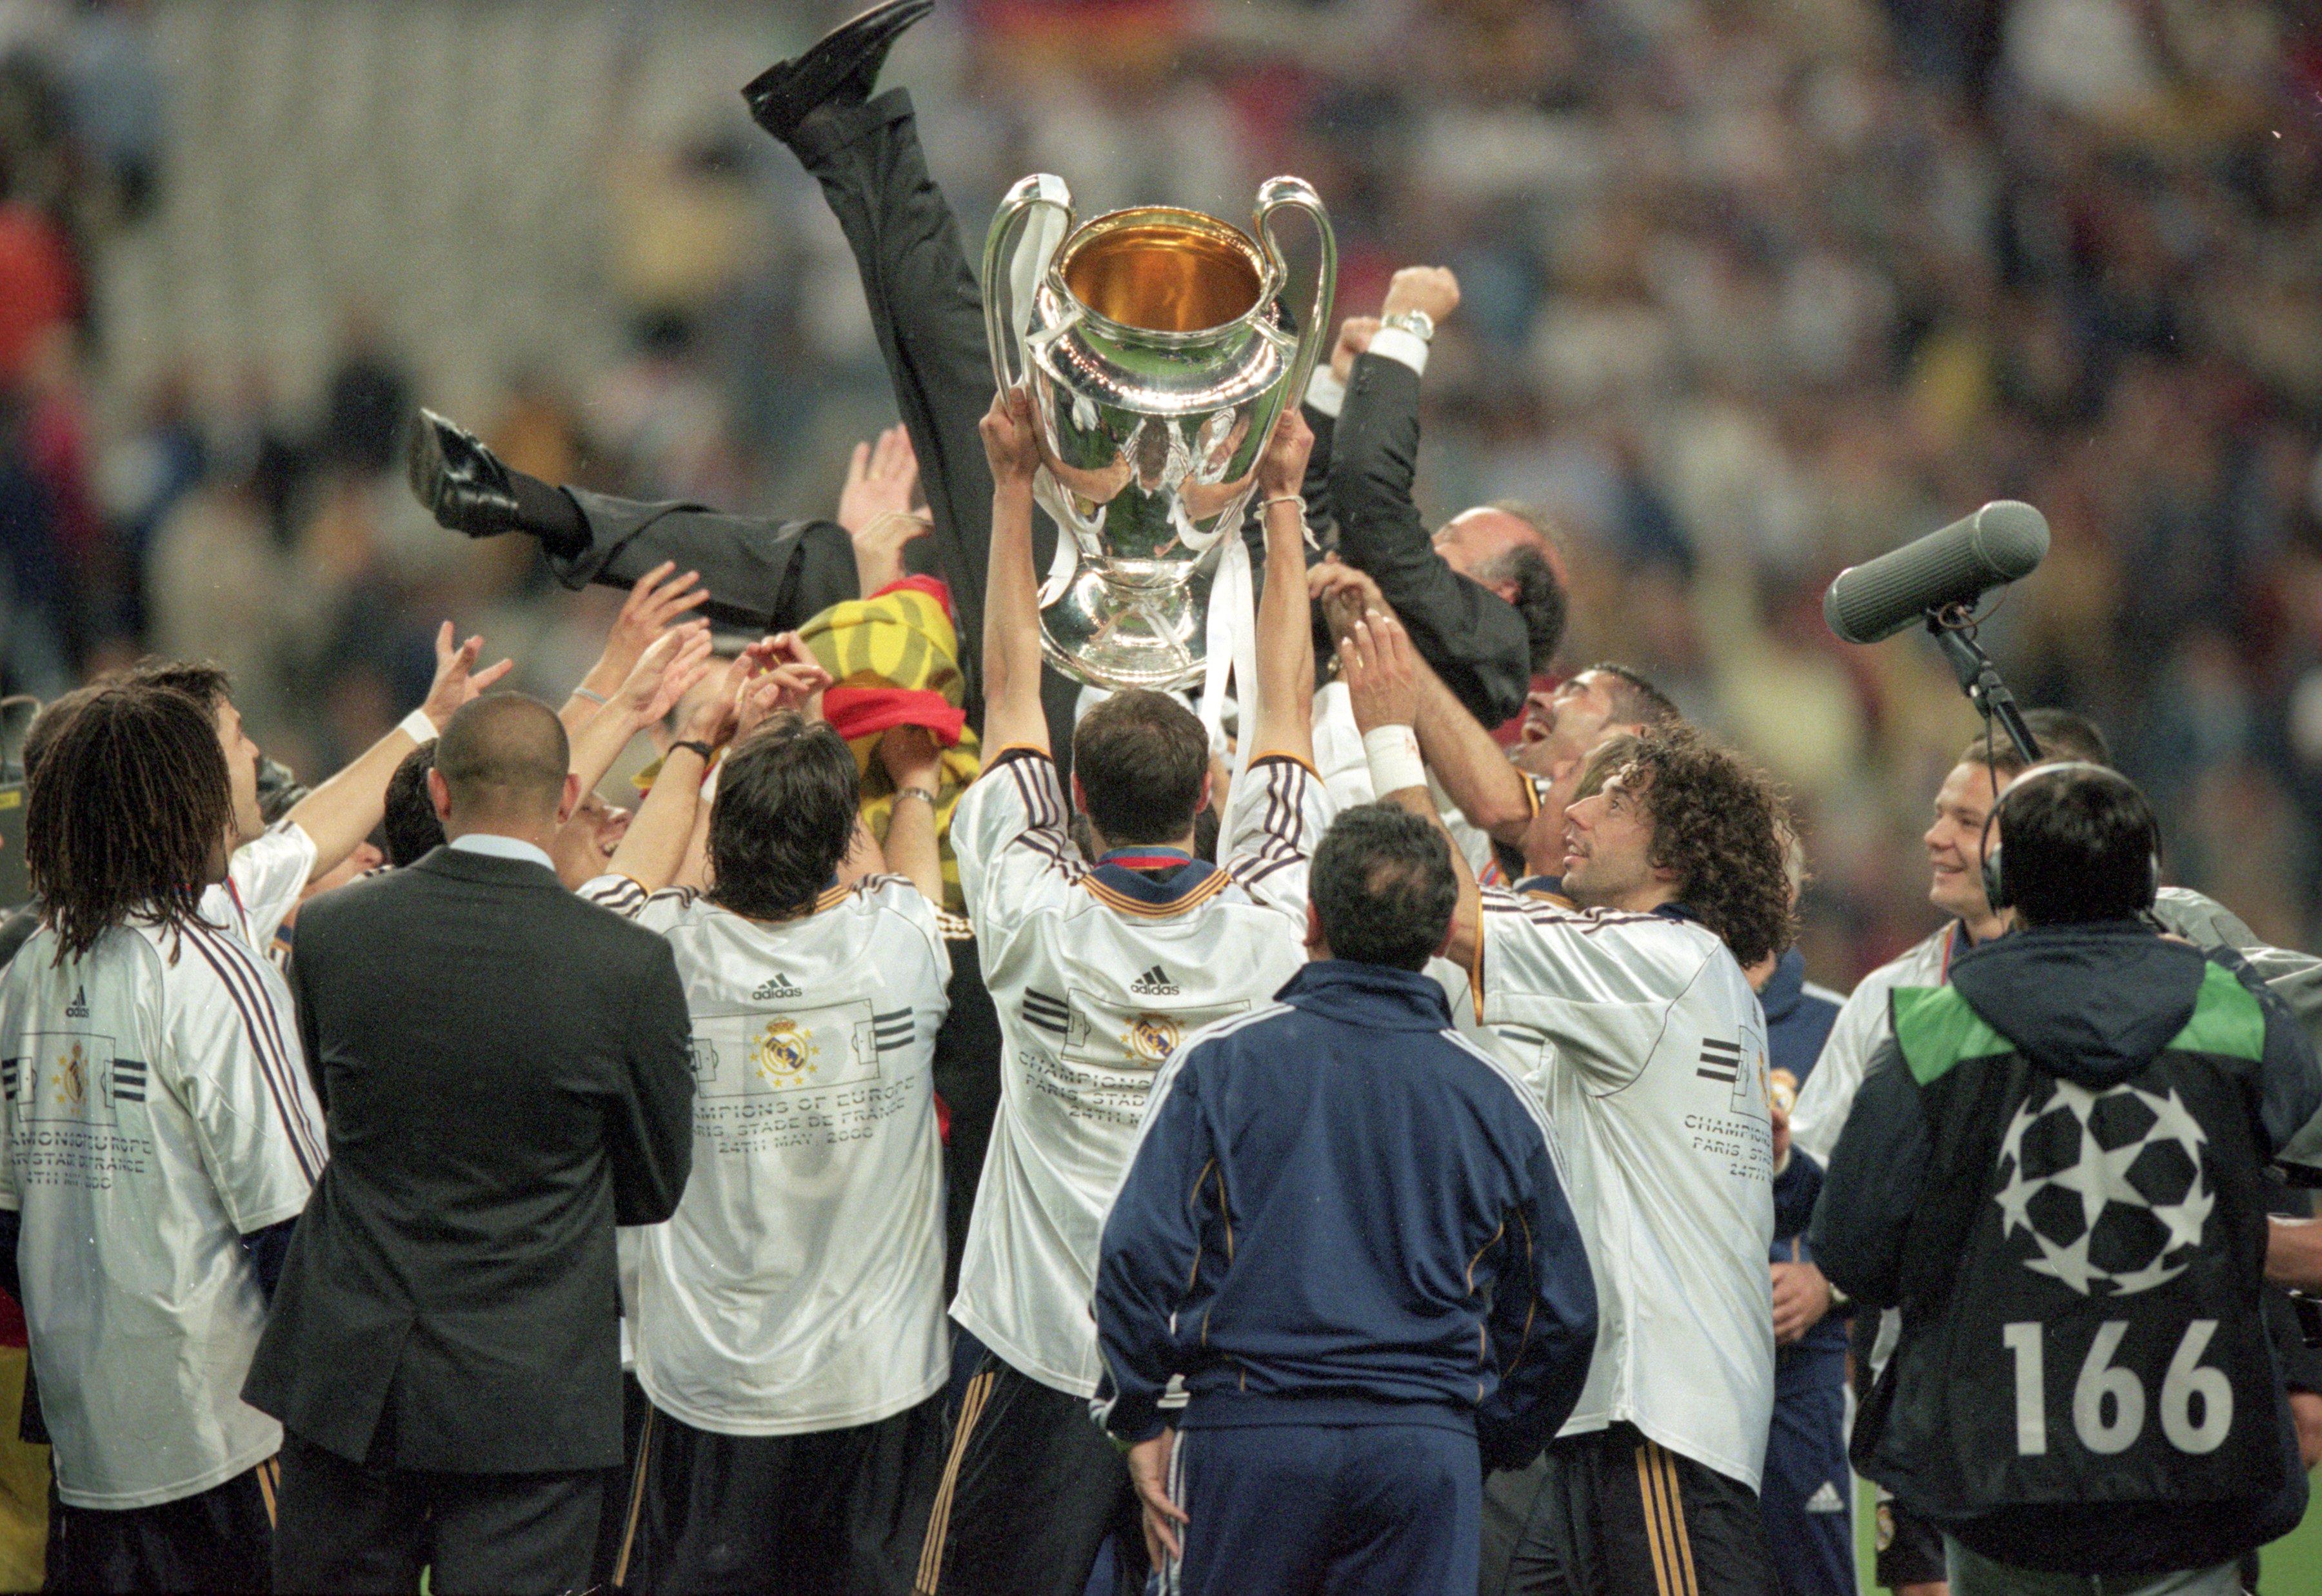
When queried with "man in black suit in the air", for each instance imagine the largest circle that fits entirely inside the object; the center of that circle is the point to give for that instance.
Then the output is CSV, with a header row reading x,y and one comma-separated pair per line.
x,y
507,1074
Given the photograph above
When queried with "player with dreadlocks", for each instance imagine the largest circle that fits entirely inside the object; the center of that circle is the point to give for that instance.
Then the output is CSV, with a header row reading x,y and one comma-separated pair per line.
x,y
161,1139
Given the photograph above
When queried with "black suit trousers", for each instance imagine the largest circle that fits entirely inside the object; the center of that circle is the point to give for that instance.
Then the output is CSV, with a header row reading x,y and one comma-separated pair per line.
x,y
345,1527
927,313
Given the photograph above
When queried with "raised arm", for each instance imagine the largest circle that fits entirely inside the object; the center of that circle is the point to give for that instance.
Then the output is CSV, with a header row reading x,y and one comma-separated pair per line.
x,y
654,848
659,597
914,762
660,676
874,506
1012,714
1474,771
1381,669
1472,636
348,808
1284,718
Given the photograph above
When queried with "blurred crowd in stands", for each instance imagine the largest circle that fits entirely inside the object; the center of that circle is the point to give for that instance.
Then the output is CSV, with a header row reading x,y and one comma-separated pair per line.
x,y
1753,289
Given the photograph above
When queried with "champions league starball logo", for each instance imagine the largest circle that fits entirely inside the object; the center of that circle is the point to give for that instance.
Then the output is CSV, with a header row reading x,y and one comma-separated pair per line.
x,y
2108,1185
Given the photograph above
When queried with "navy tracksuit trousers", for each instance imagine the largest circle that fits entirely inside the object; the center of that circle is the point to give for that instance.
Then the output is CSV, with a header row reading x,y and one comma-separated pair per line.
x,y
1374,1509
1806,1494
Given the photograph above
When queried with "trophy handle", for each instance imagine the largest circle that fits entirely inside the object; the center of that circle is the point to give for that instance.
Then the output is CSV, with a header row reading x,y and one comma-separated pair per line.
x,y
1009,364
1295,194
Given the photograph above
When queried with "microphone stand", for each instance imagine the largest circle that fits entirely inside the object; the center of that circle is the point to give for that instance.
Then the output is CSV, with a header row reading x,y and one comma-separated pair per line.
x,y
1979,678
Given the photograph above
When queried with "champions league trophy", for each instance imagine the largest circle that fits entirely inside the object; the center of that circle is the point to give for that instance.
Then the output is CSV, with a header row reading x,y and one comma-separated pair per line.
x,y
1158,363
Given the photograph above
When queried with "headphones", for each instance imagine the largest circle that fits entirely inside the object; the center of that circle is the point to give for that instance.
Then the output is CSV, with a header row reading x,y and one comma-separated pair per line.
x,y
1994,879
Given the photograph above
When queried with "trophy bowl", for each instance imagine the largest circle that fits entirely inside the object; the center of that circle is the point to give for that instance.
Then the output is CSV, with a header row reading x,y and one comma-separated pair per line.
x,y
1157,357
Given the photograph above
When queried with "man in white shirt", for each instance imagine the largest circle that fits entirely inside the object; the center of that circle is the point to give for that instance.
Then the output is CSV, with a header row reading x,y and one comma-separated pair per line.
x,y
1632,1020
1097,970
788,1315
161,1139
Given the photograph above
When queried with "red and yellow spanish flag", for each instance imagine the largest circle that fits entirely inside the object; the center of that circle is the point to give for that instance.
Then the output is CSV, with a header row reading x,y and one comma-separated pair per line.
x,y
893,660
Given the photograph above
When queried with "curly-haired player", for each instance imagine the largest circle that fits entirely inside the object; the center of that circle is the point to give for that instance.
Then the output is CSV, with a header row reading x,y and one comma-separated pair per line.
x,y
1711,829
1630,1018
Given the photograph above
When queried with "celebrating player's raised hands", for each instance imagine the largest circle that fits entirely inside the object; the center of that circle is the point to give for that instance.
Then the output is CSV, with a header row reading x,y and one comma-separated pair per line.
x,y
879,549
663,674
1011,444
661,595
1376,659
880,477
1345,593
457,679
1283,469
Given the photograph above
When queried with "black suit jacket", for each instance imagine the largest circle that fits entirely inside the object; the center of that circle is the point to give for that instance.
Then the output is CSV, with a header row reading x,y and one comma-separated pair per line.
x,y
1475,639
506,1074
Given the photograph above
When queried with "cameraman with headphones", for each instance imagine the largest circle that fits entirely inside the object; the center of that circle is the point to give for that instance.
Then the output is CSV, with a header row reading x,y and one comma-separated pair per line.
x,y
2055,1170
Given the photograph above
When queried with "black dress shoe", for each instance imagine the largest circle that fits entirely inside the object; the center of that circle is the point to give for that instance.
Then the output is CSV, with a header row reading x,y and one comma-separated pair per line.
x,y
839,68
463,484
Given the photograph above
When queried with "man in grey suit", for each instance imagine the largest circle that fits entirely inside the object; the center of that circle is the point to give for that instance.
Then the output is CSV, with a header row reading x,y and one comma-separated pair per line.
x,y
507,1074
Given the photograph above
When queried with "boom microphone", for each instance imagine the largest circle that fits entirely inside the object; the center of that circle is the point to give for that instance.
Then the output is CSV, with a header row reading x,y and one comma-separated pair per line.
x,y
2002,541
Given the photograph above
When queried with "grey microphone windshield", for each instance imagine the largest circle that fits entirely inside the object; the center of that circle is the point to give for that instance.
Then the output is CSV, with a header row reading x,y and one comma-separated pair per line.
x,y
1999,543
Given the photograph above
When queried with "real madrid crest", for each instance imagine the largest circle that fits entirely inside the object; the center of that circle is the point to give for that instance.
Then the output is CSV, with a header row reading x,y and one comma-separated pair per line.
x,y
1152,1037
784,1053
72,1076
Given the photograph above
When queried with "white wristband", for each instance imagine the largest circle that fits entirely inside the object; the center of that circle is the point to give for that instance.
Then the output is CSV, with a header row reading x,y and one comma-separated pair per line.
x,y
418,727
1392,752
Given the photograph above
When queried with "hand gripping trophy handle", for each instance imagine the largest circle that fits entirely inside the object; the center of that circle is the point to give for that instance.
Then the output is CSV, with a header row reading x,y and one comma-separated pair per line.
x,y
1296,194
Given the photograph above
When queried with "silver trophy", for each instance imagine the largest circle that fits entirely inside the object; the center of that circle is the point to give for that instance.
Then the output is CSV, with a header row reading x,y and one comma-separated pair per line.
x,y
1159,360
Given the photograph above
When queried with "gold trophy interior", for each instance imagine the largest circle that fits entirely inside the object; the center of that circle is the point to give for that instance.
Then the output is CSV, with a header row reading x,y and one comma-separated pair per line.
x,y
1168,276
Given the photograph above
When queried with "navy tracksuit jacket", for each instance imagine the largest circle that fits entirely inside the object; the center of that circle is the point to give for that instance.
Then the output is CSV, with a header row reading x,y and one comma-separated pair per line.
x,y
1345,1229
1806,1492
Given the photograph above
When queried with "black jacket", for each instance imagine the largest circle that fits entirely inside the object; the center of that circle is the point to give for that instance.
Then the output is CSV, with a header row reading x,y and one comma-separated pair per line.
x,y
1475,639
506,1071
2055,1170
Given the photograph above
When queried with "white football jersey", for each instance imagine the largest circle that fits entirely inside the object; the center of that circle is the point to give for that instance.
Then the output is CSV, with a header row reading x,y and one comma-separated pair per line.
x,y
1862,1024
157,1110
1647,1047
263,880
1099,973
799,1286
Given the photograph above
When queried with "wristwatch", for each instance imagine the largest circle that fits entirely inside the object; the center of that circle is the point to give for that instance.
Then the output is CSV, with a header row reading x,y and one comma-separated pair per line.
x,y
697,745
1417,323
920,793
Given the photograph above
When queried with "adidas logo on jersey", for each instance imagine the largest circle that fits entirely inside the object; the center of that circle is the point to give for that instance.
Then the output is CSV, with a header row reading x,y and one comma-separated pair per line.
x,y
78,1007
780,987
1827,1499
1155,983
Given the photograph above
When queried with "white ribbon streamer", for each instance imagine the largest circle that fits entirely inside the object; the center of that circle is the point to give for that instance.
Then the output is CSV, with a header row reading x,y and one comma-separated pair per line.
x,y
1232,650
